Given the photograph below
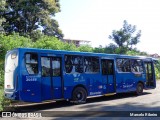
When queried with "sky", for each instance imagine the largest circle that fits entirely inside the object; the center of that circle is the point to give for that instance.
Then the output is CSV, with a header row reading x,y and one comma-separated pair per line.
x,y
94,20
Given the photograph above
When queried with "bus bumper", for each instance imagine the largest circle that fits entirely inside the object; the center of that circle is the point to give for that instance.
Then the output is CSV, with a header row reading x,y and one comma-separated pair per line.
x,y
11,95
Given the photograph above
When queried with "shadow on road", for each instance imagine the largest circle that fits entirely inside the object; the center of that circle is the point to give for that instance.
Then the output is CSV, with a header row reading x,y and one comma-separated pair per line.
x,y
60,104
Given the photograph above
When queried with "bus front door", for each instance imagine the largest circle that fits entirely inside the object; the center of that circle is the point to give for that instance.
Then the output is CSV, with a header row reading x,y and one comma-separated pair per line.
x,y
150,79
51,83
108,76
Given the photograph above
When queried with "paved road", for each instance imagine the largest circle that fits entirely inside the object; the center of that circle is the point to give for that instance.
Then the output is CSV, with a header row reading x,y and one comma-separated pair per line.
x,y
149,101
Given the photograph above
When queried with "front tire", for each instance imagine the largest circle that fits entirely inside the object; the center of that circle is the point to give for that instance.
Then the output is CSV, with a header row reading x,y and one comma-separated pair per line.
x,y
139,89
79,95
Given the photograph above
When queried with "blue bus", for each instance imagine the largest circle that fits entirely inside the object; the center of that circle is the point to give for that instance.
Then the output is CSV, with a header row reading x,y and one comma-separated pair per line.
x,y
36,75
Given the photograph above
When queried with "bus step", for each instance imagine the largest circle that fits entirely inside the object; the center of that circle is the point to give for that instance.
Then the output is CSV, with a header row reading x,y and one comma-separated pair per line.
x,y
109,94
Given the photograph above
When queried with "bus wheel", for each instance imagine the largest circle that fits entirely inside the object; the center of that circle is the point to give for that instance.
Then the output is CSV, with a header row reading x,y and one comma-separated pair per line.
x,y
139,89
79,95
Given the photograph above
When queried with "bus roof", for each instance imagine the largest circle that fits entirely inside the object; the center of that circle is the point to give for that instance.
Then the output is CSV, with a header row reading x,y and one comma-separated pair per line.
x,y
50,51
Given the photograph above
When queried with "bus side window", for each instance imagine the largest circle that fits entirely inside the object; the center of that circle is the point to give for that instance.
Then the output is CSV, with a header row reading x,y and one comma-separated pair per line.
x,y
110,68
45,63
91,64
136,65
78,63
56,67
68,64
31,60
123,65
104,67
73,63
107,67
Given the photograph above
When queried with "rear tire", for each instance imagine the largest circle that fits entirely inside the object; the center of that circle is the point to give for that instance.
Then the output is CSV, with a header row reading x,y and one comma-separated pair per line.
x,y
139,89
79,95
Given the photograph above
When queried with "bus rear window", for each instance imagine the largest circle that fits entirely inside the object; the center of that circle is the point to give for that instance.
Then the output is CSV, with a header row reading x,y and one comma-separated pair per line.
x,y
31,63
14,55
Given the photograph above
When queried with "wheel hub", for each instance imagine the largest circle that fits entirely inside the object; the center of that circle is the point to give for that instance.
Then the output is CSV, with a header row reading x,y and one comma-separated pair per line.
x,y
79,95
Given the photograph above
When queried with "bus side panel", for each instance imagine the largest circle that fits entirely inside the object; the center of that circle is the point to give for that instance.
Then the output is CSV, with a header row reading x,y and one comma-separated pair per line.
x,y
125,82
70,81
57,84
30,89
111,87
108,84
128,81
16,80
92,82
30,85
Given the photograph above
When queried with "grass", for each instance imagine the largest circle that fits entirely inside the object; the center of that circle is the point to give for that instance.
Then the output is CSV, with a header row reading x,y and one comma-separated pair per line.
x,y
4,103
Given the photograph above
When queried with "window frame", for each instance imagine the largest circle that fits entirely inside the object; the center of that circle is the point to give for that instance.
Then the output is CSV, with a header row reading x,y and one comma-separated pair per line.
x,y
60,61
117,68
130,59
142,65
51,58
99,66
83,64
32,63
49,65
71,65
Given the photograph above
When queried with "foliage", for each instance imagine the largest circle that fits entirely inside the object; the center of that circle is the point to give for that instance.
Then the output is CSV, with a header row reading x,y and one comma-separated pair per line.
x,y
111,49
48,42
157,69
36,35
125,38
4,103
2,9
136,52
12,41
99,49
52,29
26,16
69,47
1,75
85,48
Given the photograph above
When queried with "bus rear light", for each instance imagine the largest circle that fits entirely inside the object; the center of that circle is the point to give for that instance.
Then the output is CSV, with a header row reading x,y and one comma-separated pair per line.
x,y
8,86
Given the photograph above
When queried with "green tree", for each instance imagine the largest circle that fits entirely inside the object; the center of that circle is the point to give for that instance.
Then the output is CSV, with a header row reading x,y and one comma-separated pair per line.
x,y
52,29
26,16
49,42
85,48
157,69
110,49
99,49
125,38
136,52
10,42
36,35
2,10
